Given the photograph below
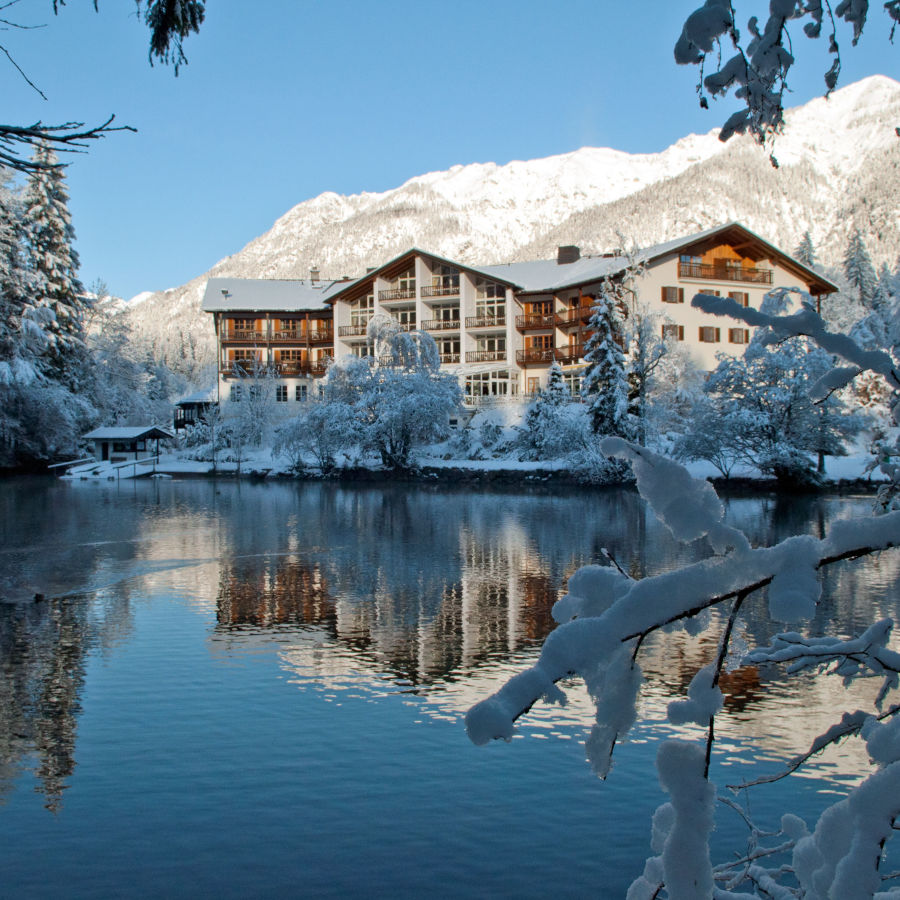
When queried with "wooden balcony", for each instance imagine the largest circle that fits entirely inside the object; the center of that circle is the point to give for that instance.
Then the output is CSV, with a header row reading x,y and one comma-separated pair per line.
x,y
486,321
397,294
715,272
571,354
288,337
580,315
441,325
253,336
444,290
535,356
449,359
480,356
241,367
322,337
313,367
358,330
532,322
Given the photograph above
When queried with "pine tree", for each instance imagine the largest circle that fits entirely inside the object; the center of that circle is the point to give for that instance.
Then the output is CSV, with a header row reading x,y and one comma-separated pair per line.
x,y
605,385
805,252
858,267
54,265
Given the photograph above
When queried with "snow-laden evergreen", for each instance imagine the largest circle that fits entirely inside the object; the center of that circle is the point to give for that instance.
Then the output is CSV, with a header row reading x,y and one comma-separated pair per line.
x,y
605,383
858,268
54,264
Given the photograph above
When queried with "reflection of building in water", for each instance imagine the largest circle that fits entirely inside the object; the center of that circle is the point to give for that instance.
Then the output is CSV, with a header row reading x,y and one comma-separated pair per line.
x,y
421,625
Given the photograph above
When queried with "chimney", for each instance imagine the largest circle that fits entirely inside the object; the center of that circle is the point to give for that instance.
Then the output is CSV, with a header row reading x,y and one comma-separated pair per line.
x,y
314,274
566,255
370,269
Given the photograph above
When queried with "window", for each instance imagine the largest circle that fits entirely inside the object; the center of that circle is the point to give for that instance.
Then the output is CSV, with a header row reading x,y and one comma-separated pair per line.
x,y
673,332
490,307
445,279
406,317
573,382
235,393
539,308
320,391
446,312
254,391
673,295
742,297
485,290
361,350
288,327
301,393
294,356
532,385
407,281
739,335
361,310
490,384
281,393
244,324
492,344
710,335
539,342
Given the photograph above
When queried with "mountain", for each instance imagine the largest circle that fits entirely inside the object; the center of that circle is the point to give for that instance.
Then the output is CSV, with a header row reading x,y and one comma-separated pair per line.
x,y
839,168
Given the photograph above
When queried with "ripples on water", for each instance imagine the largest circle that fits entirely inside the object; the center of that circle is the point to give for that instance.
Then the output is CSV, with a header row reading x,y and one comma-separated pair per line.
x,y
257,689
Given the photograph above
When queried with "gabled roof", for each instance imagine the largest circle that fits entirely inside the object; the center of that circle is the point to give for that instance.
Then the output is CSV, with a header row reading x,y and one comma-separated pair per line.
x,y
546,275
260,294
348,287
133,433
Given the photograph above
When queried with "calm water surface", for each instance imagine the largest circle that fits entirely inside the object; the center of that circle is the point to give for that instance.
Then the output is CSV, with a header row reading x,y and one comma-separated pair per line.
x,y
241,689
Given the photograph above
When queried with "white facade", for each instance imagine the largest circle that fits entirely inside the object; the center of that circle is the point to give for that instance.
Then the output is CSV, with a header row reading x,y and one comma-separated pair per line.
x,y
499,327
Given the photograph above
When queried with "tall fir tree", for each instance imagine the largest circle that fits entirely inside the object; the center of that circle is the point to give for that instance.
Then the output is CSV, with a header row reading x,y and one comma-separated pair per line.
x,y
858,268
54,266
805,251
605,386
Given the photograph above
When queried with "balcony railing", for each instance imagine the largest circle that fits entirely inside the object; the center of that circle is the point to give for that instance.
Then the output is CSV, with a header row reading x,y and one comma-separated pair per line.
x,y
358,330
535,356
288,337
571,354
724,273
240,334
497,321
441,325
479,356
449,358
321,337
529,322
406,326
397,294
313,367
242,367
580,315
441,290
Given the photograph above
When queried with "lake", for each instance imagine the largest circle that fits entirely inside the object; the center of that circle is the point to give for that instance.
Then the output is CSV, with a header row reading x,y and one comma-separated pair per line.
x,y
257,689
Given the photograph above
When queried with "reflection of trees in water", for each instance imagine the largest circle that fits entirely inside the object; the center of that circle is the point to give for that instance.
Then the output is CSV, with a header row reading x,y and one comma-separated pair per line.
x,y
42,655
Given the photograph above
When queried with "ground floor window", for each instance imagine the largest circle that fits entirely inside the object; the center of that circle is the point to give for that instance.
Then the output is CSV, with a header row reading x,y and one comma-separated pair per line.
x,y
281,393
491,384
573,382
234,393
301,393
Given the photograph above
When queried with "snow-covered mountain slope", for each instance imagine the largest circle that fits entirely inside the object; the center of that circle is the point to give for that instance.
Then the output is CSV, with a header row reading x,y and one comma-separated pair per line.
x,y
839,167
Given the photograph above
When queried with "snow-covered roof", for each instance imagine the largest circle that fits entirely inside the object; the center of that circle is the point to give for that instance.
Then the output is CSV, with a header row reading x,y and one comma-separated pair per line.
x,y
207,395
131,433
547,275
226,294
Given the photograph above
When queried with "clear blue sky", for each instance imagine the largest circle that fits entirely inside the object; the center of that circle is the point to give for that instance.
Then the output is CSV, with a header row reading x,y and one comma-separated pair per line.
x,y
285,99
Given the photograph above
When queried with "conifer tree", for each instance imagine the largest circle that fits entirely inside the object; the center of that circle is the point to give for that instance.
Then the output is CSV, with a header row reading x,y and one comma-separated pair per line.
x,y
805,252
605,385
54,265
858,267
